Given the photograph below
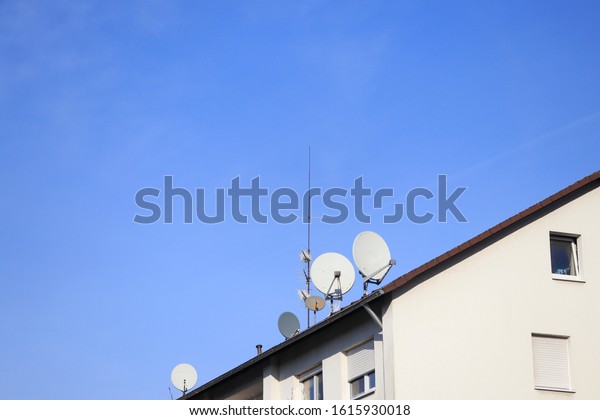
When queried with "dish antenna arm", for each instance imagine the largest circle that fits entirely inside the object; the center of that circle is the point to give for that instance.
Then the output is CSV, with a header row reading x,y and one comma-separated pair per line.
x,y
369,279
334,296
336,276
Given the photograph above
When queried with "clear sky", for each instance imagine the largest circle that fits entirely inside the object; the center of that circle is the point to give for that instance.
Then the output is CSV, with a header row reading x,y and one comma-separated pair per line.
x,y
101,99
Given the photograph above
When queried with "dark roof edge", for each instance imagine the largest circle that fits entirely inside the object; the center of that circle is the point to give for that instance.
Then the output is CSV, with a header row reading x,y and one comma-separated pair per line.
x,y
264,355
497,230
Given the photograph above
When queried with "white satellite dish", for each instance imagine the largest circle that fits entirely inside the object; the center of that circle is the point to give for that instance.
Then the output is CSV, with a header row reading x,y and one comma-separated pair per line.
x,y
372,257
315,303
288,324
333,275
184,377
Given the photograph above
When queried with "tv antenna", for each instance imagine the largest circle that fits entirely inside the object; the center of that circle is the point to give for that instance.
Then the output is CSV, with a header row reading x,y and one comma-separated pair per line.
x,y
303,294
305,255
288,325
372,257
184,377
333,275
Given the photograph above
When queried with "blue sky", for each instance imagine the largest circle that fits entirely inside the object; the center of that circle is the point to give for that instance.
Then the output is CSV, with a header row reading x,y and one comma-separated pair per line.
x,y
101,99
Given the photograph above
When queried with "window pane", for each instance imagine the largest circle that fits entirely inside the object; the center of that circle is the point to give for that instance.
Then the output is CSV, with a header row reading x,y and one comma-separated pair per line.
x,y
306,389
319,379
371,378
312,388
357,386
563,260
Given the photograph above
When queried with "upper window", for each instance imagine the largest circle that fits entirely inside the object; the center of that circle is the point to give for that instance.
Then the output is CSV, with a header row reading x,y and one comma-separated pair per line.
x,y
563,254
551,363
361,370
312,384
362,385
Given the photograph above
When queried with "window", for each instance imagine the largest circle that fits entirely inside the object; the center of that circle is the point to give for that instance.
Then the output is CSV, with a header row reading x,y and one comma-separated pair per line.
x,y
551,363
361,370
563,254
362,385
312,384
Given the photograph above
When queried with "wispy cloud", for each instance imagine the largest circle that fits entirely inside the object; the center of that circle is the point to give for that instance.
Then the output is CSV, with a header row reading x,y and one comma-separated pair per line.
x,y
536,141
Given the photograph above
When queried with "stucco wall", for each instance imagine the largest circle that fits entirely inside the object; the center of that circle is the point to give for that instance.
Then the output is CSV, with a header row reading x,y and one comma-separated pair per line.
x,y
466,332
326,349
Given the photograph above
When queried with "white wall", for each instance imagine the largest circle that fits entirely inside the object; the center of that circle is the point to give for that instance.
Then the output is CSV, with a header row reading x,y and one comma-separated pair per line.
x,y
466,332
281,382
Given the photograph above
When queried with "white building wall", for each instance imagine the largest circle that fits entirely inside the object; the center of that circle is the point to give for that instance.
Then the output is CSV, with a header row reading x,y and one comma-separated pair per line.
x,y
329,353
271,388
379,393
388,353
466,332
335,367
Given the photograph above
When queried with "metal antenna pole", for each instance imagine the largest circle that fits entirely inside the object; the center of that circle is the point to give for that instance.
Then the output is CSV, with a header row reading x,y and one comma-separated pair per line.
x,y
308,246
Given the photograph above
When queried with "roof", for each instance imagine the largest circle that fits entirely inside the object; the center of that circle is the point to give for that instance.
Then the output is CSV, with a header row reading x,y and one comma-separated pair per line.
x,y
572,191
455,254
300,336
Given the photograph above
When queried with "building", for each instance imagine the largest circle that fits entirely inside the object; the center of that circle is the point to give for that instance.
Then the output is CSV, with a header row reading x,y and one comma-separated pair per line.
x,y
513,313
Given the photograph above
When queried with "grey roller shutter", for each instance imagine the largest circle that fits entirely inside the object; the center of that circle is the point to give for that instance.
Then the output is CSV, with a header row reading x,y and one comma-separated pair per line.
x,y
361,360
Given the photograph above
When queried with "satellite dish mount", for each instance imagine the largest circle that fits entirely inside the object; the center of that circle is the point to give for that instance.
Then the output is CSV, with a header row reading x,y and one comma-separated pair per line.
x,y
336,293
372,278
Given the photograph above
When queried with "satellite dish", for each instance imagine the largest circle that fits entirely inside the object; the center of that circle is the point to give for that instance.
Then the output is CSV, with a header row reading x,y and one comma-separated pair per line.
x,y
315,303
288,324
372,257
332,274
184,377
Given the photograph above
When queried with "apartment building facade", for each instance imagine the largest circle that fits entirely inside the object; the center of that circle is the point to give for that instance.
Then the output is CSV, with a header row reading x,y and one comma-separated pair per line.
x,y
513,313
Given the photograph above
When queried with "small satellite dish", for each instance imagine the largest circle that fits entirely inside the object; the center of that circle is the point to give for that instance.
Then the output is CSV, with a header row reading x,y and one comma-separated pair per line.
x,y
372,257
315,303
288,324
332,274
184,377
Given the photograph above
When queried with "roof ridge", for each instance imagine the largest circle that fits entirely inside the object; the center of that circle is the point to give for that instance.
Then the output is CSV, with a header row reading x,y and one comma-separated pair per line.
x,y
502,226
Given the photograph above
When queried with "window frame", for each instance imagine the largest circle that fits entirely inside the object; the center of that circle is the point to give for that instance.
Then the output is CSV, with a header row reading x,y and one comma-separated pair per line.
x,y
574,240
365,378
314,374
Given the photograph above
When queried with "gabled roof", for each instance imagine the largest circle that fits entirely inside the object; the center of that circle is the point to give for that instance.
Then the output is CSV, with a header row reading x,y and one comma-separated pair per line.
x,y
556,200
455,254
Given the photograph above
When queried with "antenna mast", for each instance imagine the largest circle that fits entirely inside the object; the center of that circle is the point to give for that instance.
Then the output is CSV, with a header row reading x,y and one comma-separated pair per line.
x,y
307,273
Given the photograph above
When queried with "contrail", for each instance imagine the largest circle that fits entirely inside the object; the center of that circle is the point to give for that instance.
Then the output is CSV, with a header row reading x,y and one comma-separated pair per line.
x,y
539,139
